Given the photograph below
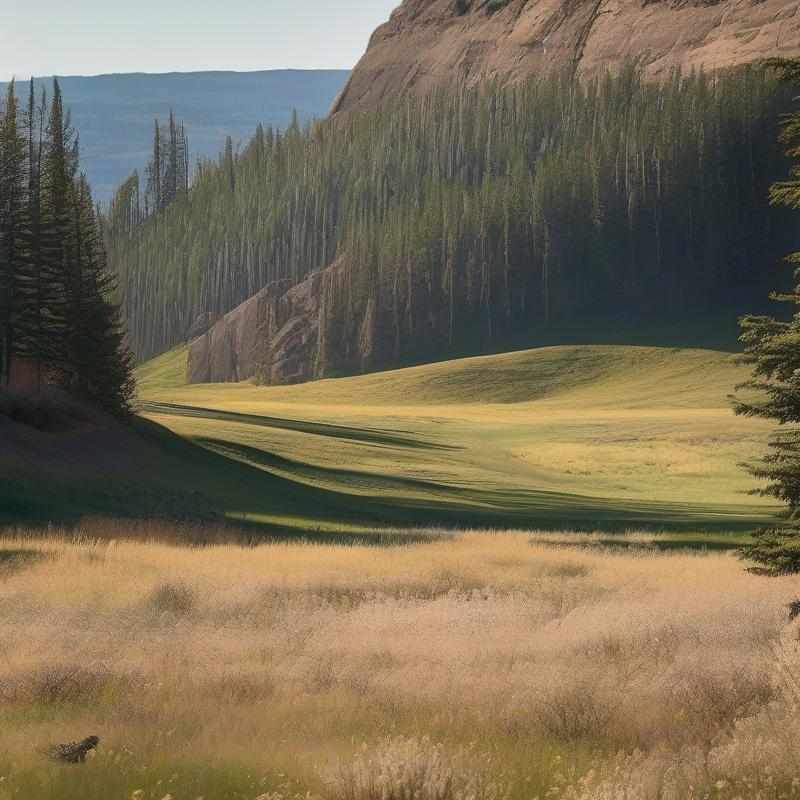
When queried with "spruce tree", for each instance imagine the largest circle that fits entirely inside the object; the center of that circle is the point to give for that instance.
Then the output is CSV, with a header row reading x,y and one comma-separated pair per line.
x,y
154,174
58,268
102,369
14,229
35,319
773,348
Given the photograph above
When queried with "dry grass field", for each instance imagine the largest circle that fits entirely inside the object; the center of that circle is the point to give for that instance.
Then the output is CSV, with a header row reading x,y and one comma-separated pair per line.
x,y
469,666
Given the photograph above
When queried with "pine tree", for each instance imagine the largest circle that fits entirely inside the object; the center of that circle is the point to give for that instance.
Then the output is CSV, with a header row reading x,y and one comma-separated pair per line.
x,y
33,339
58,269
103,363
167,171
14,229
773,348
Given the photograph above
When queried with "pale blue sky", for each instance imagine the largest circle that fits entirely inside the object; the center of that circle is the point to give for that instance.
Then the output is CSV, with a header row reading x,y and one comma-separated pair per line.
x,y
90,37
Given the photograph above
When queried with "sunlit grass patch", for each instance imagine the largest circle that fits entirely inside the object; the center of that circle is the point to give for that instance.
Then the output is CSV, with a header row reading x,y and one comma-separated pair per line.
x,y
401,768
592,436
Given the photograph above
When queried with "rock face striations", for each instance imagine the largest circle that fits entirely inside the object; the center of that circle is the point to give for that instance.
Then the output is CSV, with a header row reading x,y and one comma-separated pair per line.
x,y
280,335
272,335
429,41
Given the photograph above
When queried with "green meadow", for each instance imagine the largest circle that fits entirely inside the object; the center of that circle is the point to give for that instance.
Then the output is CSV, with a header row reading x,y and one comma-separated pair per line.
x,y
610,437
588,436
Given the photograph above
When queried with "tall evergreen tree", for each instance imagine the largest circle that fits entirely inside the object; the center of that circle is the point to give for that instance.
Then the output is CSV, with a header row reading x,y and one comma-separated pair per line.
x,y
167,171
773,348
36,320
103,365
14,229
58,268
154,174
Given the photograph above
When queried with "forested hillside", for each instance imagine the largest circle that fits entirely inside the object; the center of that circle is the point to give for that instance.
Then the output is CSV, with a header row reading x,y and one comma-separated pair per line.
x,y
470,214
114,113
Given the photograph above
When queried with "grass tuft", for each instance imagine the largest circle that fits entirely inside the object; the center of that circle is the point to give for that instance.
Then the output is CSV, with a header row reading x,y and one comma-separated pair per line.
x,y
402,768
173,597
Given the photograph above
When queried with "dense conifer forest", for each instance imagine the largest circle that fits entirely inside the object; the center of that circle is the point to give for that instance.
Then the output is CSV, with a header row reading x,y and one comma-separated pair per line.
x,y
58,319
474,213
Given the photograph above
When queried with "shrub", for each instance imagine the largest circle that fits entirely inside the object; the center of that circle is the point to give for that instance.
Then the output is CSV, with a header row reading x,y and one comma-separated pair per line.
x,y
173,597
413,769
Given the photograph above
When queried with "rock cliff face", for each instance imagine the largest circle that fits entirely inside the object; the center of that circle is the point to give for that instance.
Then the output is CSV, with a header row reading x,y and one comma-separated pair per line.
x,y
429,41
274,335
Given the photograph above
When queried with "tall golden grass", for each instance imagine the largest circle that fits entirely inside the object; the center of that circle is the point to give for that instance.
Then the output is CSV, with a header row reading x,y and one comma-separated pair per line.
x,y
473,665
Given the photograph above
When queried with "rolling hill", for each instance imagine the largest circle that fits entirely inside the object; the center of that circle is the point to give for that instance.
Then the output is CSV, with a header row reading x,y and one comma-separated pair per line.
x,y
114,113
609,436
601,436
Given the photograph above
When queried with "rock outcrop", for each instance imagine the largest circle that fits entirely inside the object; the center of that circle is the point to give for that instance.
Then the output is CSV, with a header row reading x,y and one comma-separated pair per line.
x,y
274,335
427,42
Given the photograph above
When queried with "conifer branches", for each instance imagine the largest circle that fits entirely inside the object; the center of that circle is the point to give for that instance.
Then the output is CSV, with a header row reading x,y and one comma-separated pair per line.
x,y
772,347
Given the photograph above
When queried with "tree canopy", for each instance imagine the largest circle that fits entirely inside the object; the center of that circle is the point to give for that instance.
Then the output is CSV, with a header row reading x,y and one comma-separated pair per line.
x,y
475,213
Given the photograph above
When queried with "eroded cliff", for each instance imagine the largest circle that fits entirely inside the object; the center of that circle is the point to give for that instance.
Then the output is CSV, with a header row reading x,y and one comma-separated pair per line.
x,y
429,41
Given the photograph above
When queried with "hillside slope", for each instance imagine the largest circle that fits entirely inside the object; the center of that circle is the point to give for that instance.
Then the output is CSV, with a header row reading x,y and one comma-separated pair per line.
x,y
605,435
471,221
62,461
427,42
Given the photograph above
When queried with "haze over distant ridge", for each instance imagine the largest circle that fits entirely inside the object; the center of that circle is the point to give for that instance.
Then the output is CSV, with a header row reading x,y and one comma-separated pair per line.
x,y
114,113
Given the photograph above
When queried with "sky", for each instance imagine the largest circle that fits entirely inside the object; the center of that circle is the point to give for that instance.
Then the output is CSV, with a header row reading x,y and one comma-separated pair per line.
x,y
93,37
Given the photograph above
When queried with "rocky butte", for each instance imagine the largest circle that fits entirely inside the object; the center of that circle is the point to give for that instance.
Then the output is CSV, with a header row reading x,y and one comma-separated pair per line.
x,y
428,41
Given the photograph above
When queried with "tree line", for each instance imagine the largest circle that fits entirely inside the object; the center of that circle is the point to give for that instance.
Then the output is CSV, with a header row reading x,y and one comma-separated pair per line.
x,y
475,213
58,314
166,179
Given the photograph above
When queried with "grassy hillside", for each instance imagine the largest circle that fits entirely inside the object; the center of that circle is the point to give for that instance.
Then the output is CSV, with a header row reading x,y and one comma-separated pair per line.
x,y
599,435
590,436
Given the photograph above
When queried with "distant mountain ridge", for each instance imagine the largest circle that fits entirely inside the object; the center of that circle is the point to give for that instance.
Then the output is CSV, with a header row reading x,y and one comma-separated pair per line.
x,y
114,113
